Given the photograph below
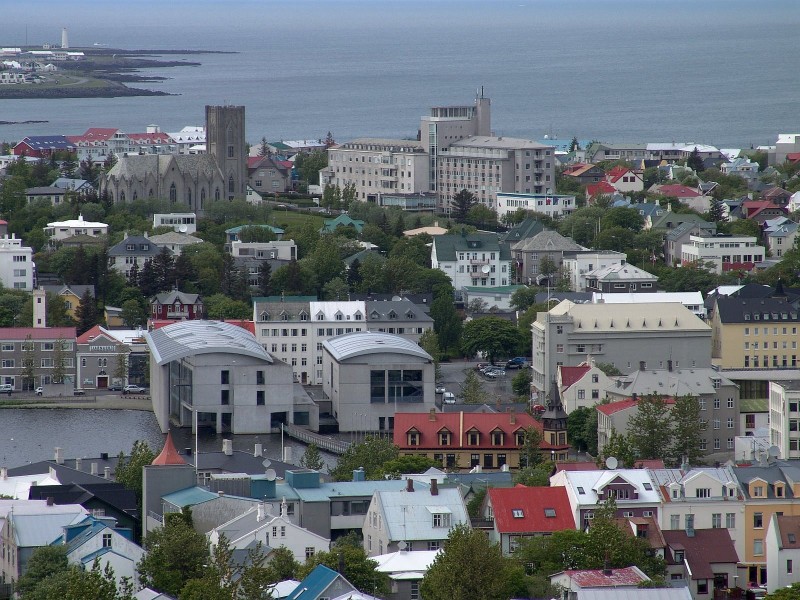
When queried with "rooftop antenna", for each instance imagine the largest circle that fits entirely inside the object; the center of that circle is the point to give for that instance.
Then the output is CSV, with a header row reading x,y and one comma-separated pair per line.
x,y
612,463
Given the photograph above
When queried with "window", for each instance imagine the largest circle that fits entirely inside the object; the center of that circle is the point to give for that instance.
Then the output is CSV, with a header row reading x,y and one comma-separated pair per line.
x,y
675,522
788,566
517,513
730,520
730,402
225,397
224,377
473,438
702,493
716,402
260,401
716,520
434,545
309,552
758,547
730,422
550,513
414,593
702,586
441,519
106,540
259,377
758,520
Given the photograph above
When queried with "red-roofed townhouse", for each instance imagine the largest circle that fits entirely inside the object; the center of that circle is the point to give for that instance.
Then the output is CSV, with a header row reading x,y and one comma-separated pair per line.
x,y
267,175
690,197
615,416
704,559
152,142
466,440
571,582
93,144
584,173
762,210
37,346
102,359
522,512
581,386
594,191
624,179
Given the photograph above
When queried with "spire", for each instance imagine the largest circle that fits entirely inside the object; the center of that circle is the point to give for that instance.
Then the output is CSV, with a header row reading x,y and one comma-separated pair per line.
x,y
169,455
779,292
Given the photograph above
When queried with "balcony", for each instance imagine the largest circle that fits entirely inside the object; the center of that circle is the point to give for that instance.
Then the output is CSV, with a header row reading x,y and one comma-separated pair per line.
x,y
478,261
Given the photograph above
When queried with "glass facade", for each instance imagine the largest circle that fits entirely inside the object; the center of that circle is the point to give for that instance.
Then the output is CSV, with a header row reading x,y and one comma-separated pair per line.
x,y
396,386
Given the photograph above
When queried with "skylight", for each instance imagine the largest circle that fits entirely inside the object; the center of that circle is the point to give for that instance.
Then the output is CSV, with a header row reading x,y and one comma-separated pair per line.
x,y
517,513
549,512
580,490
648,487
792,538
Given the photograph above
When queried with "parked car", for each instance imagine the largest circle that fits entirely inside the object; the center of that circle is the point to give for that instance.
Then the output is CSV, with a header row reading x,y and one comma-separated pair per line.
x,y
517,362
6,388
440,389
449,398
78,392
39,391
481,365
133,389
116,387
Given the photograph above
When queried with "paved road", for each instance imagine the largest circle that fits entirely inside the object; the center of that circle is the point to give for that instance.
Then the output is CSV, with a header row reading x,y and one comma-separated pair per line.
x,y
104,400
454,373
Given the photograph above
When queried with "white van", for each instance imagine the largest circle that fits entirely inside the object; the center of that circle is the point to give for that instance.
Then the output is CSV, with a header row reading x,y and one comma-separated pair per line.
x,y
6,388
449,398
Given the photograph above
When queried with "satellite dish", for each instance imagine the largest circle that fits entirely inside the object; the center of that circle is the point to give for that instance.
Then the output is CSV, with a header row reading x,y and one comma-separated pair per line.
x,y
402,545
271,474
267,462
774,452
486,269
183,229
612,463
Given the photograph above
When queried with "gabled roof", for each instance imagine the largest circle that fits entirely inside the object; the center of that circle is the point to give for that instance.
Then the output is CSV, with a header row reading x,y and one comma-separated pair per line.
x,y
531,509
788,531
174,296
570,375
706,547
676,190
623,272
586,484
629,576
315,584
613,408
408,515
546,241
142,246
616,173
601,188
330,225
448,246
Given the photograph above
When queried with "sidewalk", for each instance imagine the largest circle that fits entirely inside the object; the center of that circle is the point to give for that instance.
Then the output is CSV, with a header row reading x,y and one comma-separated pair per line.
x,y
106,402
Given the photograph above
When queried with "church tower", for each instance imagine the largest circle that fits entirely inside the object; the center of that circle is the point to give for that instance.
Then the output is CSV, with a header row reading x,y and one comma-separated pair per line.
x,y
226,144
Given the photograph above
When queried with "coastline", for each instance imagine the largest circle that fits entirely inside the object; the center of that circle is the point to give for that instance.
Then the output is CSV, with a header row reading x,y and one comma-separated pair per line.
x,y
106,402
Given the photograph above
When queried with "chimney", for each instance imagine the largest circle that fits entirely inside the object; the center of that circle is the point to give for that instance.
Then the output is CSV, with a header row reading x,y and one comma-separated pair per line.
x,y
188,451
284,507
409,485
59,456
106,472
260,512
3,473
669,365
634,396
287,454
220,493
434,487
642,365
512,417
93,469
227,447
259,451
432,415
50,501
104,456
78,464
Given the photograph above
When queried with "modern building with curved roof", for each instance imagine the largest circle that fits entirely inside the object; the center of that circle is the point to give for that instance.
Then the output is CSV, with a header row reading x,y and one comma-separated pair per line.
x,y
212,373
370,376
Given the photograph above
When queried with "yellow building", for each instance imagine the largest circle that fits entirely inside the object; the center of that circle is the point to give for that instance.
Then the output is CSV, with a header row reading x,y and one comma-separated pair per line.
x,y
70,295
768,490
754,333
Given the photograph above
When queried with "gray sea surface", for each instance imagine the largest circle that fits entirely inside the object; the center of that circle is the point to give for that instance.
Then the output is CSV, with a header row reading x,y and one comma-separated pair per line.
x,y
712,71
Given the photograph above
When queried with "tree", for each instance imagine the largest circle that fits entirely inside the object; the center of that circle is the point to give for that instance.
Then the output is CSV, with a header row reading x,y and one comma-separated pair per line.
x,y
695,161
476,503
370,454
28,364
715,212
523,298
129,472
446,322
477,305
282,565
686,430
429,342
312,459
533,476
491,336
471,566
174,554
220,307
608,369
521,383
547,266
86,313
403,465
359,569
265,278
472,391
461,204
256,233
310,165
650,428
59,361
620,447
530,453
120,375
336,289
577,422
75,583
132,313
263,149
791,592
44,562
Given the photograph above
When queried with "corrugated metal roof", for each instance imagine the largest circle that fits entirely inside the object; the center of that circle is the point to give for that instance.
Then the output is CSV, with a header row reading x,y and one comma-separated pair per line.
x,y
187,338
189,497
363,343
680,593
407,515
31,530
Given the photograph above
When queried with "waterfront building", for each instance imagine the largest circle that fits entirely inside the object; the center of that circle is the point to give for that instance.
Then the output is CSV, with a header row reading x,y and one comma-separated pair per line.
x,y
35,348
102,359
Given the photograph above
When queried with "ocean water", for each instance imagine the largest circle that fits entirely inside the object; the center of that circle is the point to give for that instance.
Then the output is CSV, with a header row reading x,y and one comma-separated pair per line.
x,y
712,71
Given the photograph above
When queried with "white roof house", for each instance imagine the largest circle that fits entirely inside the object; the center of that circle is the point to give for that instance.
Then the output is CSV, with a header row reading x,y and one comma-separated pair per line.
x,y
59,230
691,300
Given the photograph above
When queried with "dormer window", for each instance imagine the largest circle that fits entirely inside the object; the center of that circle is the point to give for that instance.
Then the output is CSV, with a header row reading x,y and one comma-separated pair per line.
x,y
130,247
265,316
392,315
445,437
145,247
412,437
473,437
441,520
519,438
320,316
497,437
284,316
339,316
357,316
746,316
303,315
409,315
517,513
374,315
779,490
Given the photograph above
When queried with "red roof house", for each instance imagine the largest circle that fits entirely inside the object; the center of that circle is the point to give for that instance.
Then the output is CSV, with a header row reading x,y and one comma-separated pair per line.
x,y
574,580
466,440
595,190
761,210
703,558
526,512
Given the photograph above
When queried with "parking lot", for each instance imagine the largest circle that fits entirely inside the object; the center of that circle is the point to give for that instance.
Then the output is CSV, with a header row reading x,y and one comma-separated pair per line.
x,y
454,373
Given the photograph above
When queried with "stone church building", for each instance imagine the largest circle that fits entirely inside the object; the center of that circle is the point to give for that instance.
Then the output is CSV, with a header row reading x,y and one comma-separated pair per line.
x,y
193,179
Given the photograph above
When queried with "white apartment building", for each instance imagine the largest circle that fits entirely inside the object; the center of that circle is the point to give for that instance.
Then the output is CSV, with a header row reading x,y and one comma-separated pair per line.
x,y
578,264
722,253
59,230
17,269
274,250
488,165
474,259
378,166
552,205
293,328
691,300
784,417
180,222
